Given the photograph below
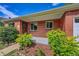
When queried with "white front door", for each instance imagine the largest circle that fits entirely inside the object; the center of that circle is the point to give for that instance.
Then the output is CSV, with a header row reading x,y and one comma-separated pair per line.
x,y
76,27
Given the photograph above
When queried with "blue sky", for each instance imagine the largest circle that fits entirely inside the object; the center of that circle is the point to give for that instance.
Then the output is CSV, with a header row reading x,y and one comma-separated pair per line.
x,y
20,9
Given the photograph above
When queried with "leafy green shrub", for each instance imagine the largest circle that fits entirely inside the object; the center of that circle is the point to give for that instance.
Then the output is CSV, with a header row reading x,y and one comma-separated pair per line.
x,y
40,52
1,24
8,34
24,40
11,24
61,45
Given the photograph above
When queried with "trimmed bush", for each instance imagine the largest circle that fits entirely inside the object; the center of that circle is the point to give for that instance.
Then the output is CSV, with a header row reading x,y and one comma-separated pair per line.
x,y
40,52
61,45
24,40
8,34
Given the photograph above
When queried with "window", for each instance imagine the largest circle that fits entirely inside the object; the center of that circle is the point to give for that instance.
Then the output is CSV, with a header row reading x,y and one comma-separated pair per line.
x,y
48,24
33,26
76,20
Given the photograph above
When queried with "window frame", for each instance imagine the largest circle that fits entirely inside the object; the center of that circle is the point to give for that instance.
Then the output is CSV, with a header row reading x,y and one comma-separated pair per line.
x,y
33,29
46,24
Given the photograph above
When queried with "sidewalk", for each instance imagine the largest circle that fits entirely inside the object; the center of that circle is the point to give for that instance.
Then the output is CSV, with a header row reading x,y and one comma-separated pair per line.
x,y
8,49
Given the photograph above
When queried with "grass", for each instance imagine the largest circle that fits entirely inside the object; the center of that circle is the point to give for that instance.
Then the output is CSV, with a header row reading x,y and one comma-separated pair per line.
x,y
2,45
12,53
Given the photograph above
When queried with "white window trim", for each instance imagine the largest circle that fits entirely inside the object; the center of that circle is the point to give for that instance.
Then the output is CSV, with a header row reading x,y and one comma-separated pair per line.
x,y
46,24
37,26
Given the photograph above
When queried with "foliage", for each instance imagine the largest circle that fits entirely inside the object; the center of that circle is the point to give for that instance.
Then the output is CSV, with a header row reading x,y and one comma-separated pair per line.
x,y
40,52
2,45
1,24
61,45
24,40
11,24
8,34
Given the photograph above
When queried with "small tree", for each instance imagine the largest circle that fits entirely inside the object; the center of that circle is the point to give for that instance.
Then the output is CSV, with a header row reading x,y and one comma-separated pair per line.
x,y
24,40
8,34
61,45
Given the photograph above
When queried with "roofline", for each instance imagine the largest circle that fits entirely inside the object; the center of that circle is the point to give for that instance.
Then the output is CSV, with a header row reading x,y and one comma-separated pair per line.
x,y
47,10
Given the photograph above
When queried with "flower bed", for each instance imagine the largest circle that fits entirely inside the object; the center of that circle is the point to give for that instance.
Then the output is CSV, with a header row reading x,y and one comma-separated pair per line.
x,y
31,51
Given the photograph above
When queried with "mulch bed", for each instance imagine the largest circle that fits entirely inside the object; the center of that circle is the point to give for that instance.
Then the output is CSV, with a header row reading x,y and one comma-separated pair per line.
x,y
30,51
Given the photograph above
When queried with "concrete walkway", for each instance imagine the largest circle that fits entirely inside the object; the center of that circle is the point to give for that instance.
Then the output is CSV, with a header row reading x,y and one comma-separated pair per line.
x,y
8,49
40,40
16,46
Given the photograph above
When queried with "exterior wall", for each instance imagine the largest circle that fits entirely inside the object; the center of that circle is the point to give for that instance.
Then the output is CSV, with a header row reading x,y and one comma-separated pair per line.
x,y
5,24
59,24
18,25
68,25
24,27
65,23
41,30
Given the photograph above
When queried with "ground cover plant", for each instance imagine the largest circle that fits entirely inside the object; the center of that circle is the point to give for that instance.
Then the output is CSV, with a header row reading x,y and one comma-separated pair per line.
x,y
40,52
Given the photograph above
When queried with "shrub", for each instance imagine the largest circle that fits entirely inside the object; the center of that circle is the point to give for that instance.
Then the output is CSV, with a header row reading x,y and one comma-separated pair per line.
x,y
11,24
61,45
8,34
24,40
40,52
1,24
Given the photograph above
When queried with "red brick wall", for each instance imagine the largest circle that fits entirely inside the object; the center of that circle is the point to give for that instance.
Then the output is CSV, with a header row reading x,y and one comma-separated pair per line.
x,y
59,24
65,23
68,25
18,25
41,30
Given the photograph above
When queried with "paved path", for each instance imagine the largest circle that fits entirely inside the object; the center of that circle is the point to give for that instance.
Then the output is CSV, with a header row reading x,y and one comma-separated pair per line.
x,y
8,49
16,46
40,40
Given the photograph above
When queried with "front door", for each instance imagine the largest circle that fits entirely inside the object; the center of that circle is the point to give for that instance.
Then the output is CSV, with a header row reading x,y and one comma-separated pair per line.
x,y
76,27
24,27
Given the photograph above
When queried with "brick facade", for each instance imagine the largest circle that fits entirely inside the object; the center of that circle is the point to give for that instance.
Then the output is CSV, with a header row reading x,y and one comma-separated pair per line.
x,y
17,25
65,23
41,30
68,22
